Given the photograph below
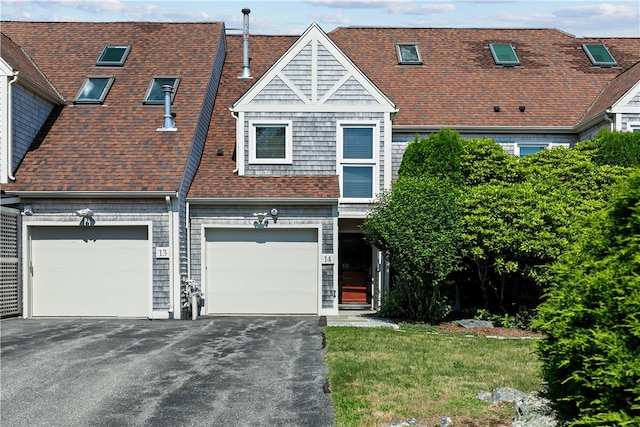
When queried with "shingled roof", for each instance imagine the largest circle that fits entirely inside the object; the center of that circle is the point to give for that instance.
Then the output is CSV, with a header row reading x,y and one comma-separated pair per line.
x,y
458,83
613,91
216,178
28,71
115,147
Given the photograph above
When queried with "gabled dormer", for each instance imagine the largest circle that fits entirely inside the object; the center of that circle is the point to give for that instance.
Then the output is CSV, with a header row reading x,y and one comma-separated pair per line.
x,y
315,113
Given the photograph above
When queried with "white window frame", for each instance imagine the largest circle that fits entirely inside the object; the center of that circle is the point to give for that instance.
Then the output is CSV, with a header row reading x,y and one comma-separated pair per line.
x,y
373,162
288,158
518,145
632,126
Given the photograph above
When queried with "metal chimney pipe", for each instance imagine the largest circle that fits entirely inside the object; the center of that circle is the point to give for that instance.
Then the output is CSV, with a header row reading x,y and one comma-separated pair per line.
x,y
168,118
246,72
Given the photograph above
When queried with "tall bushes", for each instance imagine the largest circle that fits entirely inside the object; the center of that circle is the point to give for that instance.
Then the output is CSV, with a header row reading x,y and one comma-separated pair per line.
x,y
591,359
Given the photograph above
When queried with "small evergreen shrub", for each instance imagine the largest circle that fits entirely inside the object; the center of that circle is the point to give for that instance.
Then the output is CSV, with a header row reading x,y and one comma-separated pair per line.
x,y
435,157
617,148
591,359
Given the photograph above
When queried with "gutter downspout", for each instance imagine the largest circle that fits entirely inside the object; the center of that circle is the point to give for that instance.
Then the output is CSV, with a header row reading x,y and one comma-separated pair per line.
x,y
235,116
188,231
167,200
10,175
607,118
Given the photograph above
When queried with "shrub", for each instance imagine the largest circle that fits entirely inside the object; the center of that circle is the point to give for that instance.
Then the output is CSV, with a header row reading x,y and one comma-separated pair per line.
x,y
617,148
417,226
435,157
591,359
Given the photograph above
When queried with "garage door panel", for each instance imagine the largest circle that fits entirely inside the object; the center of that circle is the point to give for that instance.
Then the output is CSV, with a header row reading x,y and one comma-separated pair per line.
x,y
262,271
90,271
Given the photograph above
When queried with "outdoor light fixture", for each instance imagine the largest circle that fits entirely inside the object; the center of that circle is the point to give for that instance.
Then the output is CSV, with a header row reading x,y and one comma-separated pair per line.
x,y
27,210
260,216
87,216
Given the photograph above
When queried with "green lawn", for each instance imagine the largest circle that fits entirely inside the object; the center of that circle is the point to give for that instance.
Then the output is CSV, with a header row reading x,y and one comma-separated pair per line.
x,y
378,375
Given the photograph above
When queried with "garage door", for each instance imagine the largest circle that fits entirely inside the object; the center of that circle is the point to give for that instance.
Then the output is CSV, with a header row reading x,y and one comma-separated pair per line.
x,y
90,271
262,271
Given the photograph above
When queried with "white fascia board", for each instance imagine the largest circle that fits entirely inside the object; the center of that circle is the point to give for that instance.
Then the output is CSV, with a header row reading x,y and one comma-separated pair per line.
x,y
489,129
94,194
320,108
620,106
5,68
313,34
260,200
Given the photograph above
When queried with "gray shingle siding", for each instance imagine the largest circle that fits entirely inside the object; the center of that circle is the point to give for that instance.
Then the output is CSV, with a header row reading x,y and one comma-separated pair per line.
x,y
197,148
242,216
62,211
29,114
314,142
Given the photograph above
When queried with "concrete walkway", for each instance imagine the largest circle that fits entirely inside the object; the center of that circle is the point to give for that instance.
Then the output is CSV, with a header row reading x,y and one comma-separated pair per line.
x,y
363,319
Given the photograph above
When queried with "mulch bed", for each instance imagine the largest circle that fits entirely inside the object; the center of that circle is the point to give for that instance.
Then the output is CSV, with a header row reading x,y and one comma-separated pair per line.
x,y
454,327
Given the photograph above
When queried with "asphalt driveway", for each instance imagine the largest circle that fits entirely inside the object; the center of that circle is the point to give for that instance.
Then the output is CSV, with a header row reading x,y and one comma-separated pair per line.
x,y
221,371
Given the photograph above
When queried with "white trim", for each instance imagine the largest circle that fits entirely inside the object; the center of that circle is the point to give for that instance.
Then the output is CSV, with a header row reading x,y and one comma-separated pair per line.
x,y
633,125
373,162
288,131
240,154
313,36
315,108
621,104
5,127
388,151
27,256
258,200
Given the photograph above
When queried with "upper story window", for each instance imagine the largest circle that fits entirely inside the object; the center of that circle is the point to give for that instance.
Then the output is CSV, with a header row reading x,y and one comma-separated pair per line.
x,y
114,55
154,92
94,90
633,127
270,142
357,161
599,55
504,54
408,54
529,149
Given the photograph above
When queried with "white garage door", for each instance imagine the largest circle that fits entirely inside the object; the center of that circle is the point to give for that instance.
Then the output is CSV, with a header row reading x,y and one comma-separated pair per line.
x,y
262,271
90,271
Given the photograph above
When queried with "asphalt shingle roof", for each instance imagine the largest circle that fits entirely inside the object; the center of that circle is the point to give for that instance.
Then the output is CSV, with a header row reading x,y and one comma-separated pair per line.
x,y
459,83
215,177
115,146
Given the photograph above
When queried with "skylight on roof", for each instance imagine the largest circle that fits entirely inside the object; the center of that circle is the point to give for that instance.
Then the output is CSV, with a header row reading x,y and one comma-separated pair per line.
x,y
154,92
94,90
599,55
114,55
504,54
408,54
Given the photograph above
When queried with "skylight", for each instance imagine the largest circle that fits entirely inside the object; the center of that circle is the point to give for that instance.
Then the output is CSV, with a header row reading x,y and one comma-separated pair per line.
x,y
408,54
504,54
94,90
114,55
599,55
154,93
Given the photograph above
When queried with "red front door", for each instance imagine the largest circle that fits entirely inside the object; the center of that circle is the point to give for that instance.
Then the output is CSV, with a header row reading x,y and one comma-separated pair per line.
x,y
354,255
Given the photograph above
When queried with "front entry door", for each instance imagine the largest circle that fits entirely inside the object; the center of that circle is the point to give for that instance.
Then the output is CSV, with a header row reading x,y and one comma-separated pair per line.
x,y
354,272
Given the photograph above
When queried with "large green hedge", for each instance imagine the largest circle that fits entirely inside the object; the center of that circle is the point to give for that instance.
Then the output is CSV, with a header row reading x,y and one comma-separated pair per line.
x,y
591,359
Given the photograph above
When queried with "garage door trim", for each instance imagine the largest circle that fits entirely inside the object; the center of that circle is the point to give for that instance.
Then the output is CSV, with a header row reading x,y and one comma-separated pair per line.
x,y
26,244
317,227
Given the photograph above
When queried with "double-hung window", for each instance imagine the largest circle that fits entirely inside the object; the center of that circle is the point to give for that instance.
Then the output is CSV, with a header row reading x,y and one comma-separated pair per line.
x,y
357,158
270,142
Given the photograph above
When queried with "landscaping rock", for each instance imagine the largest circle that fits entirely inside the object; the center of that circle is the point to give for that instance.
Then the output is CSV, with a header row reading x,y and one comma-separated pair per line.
x,y
474,323
409,422
446,422
531,410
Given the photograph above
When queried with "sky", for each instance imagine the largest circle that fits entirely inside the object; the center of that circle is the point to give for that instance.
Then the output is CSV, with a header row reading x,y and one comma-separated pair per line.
x,y
610,18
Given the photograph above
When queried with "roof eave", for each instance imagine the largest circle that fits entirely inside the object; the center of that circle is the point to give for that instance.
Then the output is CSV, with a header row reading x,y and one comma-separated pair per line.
x,y
258,200
489,129
96,194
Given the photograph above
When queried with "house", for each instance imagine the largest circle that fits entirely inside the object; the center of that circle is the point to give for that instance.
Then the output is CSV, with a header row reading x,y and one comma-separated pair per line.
x,y
102,187
258,186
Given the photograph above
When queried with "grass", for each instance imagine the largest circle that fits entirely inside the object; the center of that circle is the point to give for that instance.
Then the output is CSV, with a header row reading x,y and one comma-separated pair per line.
x,y
378,376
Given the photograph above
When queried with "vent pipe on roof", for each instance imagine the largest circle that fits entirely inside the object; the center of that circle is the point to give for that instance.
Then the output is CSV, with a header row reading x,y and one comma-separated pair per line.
x,y
246,72
168,124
